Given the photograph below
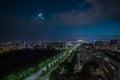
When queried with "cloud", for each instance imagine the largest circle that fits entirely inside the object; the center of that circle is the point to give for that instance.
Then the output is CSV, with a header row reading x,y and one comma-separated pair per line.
x,y
99,10
108,37
17,28
98,37
20,21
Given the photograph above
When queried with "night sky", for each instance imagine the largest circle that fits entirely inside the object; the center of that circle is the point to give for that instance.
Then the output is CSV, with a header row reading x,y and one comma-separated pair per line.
x,y
59,20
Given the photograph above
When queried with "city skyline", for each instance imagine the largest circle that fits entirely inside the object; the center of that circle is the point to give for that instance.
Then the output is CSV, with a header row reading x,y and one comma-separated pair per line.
x,y
59,20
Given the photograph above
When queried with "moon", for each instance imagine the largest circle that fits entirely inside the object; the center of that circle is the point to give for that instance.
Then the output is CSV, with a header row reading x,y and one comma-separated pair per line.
x,y
40,15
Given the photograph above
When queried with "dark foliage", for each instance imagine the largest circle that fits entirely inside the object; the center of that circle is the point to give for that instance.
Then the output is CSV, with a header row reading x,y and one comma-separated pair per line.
x,y
15,61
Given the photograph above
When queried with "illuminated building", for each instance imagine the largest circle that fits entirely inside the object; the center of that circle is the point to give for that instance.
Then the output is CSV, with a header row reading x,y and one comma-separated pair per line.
x,y
86,52
11,47
111,65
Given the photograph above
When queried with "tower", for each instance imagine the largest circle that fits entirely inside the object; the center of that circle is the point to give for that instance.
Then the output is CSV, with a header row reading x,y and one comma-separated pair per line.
x,y
24,43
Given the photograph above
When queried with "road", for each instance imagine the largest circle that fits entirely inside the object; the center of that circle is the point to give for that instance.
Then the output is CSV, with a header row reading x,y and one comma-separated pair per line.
x,y
46,77
34,76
